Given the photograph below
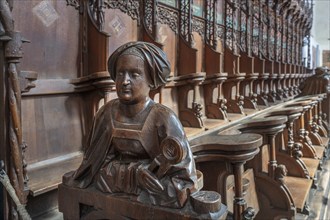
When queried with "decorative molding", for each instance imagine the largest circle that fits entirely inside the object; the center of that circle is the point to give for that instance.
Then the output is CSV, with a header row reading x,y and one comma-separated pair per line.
x,y
220,31
74,3
96,10
130,7
149,14
210,23
198,26
243,32
15,160
185,21
169,17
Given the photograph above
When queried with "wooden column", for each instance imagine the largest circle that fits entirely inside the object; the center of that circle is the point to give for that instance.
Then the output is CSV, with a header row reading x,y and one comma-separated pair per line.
x,y
3,128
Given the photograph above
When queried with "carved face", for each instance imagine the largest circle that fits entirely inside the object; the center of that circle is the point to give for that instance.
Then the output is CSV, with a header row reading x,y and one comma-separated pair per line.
x,y
132,79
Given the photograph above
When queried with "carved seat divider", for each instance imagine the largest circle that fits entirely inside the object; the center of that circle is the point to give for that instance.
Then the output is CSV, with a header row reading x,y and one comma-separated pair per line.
x,y
228,153
288,151
246,87
276,178
215,77
190,114
235,100
308,148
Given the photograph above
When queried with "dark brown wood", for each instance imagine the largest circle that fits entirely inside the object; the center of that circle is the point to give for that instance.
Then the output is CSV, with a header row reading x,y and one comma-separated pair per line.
x,y
235,100
229,63
213,85
138,148
93,204
234,150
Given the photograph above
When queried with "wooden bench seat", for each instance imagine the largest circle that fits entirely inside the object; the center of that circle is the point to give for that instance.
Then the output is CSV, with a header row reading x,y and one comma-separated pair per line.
x,y
319,151
51,173
299,189
325,141
312,165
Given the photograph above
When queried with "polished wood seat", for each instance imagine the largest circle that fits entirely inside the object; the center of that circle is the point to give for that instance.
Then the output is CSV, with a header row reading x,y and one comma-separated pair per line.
x,y
312,165
218,156
319,151
325,141
299,189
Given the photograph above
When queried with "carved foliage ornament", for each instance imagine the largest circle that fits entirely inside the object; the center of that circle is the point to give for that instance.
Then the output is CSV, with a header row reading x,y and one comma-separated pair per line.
x,y
168,17
74,3
198,26
96,9
185,18
130,7
210,19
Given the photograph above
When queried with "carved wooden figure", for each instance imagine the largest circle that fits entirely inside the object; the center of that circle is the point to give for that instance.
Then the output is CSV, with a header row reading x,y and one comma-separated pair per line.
x,y
137,151
143,167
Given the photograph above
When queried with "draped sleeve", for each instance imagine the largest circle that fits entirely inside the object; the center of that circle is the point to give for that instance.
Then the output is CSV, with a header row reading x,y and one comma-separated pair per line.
x,y
180,180
95,151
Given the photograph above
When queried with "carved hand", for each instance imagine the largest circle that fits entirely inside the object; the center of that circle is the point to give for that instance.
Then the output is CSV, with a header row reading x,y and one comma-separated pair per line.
x,y
147,180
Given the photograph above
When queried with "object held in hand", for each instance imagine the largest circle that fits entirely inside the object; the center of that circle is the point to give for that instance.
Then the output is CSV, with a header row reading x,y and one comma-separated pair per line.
x,y
172,153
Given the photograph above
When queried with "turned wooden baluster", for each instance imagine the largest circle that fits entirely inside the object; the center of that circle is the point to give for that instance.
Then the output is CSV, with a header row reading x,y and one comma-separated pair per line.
x,y
308,149
235,150
312,126
313,120
269,128
292,148
318,117
271,177
292,113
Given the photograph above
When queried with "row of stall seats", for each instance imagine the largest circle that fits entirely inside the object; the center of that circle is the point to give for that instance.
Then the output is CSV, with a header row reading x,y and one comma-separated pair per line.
x,y
264,166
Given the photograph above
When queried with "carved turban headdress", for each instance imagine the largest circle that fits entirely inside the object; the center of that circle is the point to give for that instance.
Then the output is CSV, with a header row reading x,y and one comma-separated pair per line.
x,y
156,60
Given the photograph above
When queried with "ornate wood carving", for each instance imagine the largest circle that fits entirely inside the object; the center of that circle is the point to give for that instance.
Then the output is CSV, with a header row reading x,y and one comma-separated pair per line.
x,y
146,168
74,3
96,10
16,83
130,7
210,35
231,36
185,27
169,17
255,28
149,14
198,26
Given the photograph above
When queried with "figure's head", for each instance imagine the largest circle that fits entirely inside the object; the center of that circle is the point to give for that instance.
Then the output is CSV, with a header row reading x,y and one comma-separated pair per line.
x,y
137,67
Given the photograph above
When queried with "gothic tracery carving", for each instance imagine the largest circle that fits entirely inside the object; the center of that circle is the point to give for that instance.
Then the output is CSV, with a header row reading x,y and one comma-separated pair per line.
x,y
169,17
